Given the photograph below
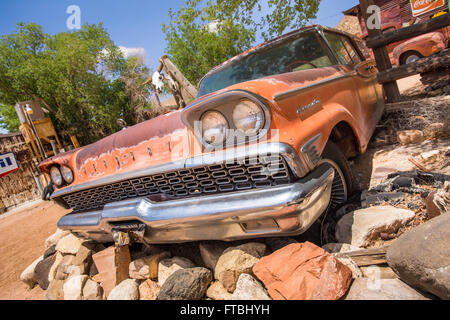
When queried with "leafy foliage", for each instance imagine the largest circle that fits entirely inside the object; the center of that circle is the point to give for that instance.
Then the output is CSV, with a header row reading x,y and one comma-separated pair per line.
x,y
76,76
8,118
195,48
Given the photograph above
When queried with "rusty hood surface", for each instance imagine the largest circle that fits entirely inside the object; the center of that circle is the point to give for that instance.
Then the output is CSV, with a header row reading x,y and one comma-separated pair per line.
x,y
159,140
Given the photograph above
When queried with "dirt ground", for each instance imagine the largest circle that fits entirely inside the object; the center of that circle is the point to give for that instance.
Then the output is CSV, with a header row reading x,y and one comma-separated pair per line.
x,y
22,235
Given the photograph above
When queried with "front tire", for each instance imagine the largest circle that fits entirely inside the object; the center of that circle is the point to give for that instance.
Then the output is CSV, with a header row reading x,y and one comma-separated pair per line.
x,y
343,183
410,57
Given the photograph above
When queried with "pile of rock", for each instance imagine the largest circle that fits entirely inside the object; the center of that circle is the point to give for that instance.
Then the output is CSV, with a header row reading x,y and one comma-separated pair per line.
x,y
72,268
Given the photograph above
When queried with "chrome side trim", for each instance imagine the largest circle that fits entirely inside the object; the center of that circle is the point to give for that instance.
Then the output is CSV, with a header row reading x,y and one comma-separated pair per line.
x,y
289,154
309,152
289,93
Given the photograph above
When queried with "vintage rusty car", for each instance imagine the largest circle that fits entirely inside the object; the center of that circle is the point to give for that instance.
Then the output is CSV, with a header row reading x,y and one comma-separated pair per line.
x,y
261,152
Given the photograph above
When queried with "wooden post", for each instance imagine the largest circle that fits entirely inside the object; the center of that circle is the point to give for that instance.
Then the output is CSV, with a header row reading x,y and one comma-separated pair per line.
x,y
381,55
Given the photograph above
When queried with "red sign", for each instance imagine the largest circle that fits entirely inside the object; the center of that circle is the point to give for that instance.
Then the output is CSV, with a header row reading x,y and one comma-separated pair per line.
x,y
420,7
8,164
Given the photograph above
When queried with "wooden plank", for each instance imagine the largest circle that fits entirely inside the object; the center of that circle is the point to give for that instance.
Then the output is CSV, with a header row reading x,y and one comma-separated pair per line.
x,y
433,62
381,40
366,257
381,56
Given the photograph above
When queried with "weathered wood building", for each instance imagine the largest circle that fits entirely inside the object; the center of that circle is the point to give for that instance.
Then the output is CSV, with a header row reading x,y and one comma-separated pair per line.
x,y
19,186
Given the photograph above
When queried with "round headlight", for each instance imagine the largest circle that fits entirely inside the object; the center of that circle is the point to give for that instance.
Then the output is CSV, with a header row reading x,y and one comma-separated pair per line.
x,y
67,174
56,176
214,127
248,117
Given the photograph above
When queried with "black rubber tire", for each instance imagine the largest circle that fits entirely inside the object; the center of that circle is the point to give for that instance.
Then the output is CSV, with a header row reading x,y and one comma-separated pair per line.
x,y
407,55
332,152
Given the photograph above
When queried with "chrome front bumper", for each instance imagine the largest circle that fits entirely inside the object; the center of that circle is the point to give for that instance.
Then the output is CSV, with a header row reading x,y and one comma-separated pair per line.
x,y
275,211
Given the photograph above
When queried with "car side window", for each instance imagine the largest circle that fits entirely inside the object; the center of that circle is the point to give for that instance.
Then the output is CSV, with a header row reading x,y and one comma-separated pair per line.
x,y
343,47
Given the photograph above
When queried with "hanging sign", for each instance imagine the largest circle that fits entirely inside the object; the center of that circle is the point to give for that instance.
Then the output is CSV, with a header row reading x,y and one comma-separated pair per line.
x,y
8,164
420,7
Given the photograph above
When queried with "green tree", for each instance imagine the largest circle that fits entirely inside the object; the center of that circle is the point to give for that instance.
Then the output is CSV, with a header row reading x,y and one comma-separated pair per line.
x,y
196,48
8,118
76,76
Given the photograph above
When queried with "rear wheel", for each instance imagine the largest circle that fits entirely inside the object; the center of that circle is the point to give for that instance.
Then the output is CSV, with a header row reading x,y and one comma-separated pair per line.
x,y
410,57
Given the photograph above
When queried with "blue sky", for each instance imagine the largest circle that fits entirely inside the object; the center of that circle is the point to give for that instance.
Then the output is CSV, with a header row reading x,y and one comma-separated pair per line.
x,y
131,23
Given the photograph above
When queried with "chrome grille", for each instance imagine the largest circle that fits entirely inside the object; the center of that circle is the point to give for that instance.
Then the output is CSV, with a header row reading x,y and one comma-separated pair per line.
x,y
260,172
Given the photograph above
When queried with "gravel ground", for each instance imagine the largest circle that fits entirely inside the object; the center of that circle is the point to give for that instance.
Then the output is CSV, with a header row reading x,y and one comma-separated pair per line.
x,y
22,236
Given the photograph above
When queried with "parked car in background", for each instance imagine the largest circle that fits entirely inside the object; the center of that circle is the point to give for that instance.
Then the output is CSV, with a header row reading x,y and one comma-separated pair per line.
x,y
262,151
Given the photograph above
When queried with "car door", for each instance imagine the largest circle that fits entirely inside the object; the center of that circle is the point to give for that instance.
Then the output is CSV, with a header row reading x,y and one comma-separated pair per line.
x,y
364,72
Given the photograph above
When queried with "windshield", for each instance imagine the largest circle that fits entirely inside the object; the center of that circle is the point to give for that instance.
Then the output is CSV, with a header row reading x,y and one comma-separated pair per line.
x,y
302,53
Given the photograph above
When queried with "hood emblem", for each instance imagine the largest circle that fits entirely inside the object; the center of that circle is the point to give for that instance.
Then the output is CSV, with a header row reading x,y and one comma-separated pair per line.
x,y
302,109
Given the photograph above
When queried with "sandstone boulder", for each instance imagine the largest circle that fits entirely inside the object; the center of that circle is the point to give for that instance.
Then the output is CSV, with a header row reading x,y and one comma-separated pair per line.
x,y
73,287
362,226
382,289
147,267
28,276
54,238
55,290
69,244
235,261
167,267
112,265
126,290
303,271
92,291
186,284
216,291
421,257
148,290
248,288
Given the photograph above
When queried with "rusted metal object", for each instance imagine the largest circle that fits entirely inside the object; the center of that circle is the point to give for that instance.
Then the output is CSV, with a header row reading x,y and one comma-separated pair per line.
x,y
164,174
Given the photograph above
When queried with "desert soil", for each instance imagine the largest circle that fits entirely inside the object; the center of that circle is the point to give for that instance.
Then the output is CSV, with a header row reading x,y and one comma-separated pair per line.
x,y
22,237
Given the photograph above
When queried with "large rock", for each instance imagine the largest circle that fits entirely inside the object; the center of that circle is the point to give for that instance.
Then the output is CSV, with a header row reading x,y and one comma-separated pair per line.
x,y
92,291
351,264
238,260
147,267
362,226
84,254
63,270
167,267
73,287
59,258
69,244
54,238
421,257
186,284
216,291
112,265
42,271
148,290
55,290
248,288
28,276
126,290
211,252
382,289
303,271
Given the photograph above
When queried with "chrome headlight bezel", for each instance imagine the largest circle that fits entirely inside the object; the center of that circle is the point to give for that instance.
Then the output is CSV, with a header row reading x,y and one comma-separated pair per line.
x,y
56,176
224,103
67,174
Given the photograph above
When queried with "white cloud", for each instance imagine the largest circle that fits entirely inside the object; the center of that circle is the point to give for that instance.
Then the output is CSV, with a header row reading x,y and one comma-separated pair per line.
x,y
128,52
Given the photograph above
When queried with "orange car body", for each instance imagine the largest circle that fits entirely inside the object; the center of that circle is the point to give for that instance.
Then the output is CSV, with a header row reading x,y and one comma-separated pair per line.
x,y
309,107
